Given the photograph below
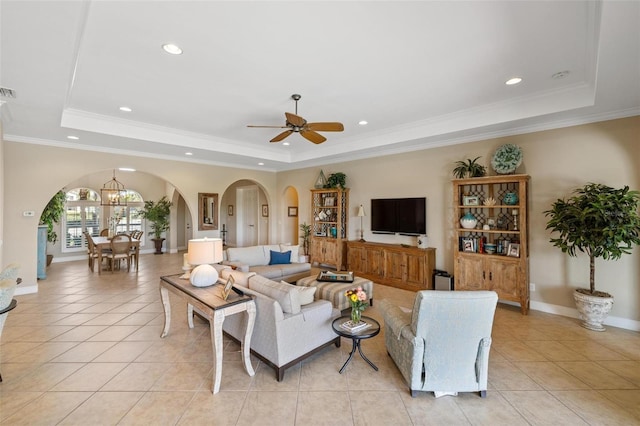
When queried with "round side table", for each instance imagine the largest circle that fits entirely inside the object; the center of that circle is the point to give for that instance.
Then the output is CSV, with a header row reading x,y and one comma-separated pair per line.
x,y
356,336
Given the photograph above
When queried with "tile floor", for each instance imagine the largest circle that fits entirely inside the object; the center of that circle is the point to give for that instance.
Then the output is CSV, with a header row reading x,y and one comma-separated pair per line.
x,y
86,349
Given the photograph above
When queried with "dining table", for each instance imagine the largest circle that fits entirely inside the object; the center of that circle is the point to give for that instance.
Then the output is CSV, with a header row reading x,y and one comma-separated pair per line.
x,y
104,243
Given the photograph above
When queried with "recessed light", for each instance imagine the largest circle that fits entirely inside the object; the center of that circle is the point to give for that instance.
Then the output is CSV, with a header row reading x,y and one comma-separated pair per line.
x,y
286,143
561,74
363,122
512,81
261,164
75,138
126,169
172,49
188,153
125,109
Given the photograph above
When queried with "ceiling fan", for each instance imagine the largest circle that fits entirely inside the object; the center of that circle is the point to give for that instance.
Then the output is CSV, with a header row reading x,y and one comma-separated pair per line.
x,y
297,124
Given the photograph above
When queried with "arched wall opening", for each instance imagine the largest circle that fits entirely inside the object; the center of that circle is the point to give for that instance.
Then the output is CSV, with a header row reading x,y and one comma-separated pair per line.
x,y
245,214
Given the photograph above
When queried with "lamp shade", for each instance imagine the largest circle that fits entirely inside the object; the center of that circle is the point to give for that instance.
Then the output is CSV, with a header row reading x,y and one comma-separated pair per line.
x,y
205,251
361,211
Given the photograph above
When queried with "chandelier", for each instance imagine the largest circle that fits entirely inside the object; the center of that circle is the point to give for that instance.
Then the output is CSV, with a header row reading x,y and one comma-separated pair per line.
x,y
113,193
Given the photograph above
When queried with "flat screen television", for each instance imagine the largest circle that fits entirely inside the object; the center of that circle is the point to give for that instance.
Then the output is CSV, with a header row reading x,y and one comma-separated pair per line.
x,y
406,216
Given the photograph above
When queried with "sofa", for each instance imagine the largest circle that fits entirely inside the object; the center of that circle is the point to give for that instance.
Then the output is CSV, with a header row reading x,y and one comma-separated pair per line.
x,y
270,261
289,325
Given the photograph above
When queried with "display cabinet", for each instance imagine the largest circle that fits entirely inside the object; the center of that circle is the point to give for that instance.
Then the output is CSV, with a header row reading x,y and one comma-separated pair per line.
x,y
491,241
330,210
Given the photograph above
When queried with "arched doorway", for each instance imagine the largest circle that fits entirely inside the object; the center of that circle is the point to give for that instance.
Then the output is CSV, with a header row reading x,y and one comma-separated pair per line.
x,y
245,214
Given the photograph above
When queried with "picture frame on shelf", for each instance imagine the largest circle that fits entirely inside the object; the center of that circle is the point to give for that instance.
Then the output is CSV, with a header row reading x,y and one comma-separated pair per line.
x,y
227,287
470,200
467,245
292,211
329,201
265,210
230,210
513,250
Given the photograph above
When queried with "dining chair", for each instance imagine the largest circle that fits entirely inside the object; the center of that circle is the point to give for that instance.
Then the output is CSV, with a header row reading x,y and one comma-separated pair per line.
x,y
104,232
120,250
92,251
136,235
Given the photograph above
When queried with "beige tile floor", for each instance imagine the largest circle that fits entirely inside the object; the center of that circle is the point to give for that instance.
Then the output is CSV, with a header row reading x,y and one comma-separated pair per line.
x,y
86,350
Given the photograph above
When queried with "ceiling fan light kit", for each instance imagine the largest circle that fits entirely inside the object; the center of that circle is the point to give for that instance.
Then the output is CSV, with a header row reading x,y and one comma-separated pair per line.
x,y
296,124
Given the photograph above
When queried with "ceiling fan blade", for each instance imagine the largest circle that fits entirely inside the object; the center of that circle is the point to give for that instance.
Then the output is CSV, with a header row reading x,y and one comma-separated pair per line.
x,y
281,136
268,127
326,127
295,120
312,136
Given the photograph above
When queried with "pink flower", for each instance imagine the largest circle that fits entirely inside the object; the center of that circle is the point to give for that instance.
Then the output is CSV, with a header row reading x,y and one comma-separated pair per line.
x,y
361,295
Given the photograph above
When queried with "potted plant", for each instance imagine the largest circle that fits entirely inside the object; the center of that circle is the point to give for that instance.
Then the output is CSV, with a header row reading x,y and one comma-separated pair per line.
x,y
337,180
305,229
158,214
51,215
469,168
602,222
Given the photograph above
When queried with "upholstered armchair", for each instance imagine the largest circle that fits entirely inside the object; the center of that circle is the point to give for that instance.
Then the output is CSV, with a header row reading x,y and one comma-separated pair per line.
x,y
443,344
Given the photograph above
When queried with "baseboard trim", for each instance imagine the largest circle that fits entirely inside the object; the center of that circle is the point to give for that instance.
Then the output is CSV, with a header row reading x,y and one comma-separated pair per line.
x,y
613,321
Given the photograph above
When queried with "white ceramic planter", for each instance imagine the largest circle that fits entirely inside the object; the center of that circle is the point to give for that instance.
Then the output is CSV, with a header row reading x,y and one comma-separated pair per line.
x,y
593,310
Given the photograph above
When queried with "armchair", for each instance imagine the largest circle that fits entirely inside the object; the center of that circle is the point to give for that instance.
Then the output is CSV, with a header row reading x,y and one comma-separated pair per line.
x,y
443,344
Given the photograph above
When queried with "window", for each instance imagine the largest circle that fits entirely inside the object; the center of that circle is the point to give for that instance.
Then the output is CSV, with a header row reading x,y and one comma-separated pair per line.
x,y
83,212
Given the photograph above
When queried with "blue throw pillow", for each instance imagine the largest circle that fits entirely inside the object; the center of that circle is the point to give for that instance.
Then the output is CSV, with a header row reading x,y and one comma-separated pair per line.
x,y
278,258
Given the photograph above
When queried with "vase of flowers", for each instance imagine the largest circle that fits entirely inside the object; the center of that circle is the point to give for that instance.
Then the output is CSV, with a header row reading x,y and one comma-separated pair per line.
x,y
358,300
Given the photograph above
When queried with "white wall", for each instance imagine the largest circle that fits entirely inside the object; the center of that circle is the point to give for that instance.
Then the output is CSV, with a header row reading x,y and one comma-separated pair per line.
x,y
34,172
557,160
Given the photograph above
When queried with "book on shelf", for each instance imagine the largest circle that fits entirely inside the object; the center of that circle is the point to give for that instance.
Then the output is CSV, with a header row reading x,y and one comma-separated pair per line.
x,y
350,326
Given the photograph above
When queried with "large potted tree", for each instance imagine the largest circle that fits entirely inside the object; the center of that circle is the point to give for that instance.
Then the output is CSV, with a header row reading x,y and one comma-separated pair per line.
x,y
602,222
157,212
51,215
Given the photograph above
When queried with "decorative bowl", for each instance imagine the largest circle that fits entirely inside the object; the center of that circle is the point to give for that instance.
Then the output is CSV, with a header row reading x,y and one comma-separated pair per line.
x,y
510,198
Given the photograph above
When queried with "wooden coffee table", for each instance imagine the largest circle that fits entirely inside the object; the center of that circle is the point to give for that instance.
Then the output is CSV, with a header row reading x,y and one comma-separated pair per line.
x,y
207,301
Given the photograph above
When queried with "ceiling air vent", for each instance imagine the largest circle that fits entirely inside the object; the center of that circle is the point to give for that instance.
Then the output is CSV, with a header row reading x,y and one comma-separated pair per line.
x,y
7,93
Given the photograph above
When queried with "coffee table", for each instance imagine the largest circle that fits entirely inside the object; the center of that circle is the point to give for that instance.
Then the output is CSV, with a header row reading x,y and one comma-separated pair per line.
x,y
356,336
208,302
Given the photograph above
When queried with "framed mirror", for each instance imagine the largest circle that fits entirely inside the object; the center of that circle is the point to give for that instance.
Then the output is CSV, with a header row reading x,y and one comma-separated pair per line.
x,y
207,211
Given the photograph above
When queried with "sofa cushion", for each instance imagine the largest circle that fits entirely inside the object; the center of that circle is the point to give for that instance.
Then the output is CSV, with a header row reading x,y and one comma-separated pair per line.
x,y
295,251
286,294
277,258
254,255
305,294
239,277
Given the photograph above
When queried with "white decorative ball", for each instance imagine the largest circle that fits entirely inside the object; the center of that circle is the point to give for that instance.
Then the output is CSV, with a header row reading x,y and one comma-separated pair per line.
x,y
203,276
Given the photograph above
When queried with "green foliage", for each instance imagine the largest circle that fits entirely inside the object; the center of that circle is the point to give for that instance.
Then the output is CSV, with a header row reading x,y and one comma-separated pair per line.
x,y
52,214
158,214
597,220
337,180
469,168
305,229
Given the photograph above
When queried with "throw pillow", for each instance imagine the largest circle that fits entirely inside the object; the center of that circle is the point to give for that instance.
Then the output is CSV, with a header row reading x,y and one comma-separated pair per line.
x,y
286,295
295,251
278,258
305,294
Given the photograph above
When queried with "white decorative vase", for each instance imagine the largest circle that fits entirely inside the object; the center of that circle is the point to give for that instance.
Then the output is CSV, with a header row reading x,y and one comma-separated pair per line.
x,y
593,310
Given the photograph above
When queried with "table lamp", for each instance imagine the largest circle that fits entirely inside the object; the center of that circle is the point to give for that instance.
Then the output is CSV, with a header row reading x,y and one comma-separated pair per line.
x,y
361,215
203,252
